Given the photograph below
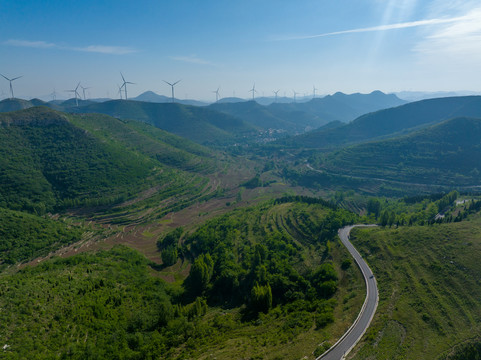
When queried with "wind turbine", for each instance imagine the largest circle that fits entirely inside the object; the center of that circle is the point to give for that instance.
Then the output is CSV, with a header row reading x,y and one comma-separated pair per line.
x,y
216,94
77,95
54,95
11,87
275,92
124,85
120,91
83,90
314,91
172,86
295,94
253,91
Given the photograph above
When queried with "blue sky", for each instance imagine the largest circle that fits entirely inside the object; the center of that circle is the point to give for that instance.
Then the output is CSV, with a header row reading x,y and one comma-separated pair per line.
x,y
349,46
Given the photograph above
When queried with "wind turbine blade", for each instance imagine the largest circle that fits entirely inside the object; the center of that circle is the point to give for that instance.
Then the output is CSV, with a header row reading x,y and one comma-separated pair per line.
x,y
18,77
122,77
168,83
178,81
6,78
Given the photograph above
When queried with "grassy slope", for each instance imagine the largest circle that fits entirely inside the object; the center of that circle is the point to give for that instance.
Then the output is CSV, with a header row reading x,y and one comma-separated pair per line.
x,y
429,288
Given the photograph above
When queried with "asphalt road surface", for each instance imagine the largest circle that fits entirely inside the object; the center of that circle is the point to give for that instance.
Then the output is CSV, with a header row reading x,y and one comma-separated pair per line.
x,y
353,335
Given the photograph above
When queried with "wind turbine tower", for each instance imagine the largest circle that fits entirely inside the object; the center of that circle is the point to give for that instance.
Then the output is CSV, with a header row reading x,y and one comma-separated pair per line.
x,y
314,91
77,95
275,92
172,86
253,91
120,91
83,90
216,94
124,85
295,94
11,80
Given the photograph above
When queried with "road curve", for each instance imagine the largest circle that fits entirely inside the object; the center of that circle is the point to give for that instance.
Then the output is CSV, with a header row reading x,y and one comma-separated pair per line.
x,y
345,344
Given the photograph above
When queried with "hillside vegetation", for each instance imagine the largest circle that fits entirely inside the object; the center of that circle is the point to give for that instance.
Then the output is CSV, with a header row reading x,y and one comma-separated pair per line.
x,y
429,290
445,154
52,161
274,270
26,236
198,124
390,122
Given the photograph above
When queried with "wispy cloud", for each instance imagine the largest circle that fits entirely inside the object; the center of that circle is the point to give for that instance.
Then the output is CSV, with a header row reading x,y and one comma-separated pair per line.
x,y
193,59
31,44
461,38
100,49
402,25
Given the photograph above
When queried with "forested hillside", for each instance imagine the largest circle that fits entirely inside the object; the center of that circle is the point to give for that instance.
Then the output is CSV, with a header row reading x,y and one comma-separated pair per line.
x,y
275,270
51,161
444,154
198,124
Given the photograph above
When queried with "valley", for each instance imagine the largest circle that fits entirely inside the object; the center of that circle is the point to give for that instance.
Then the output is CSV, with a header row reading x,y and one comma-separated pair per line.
x,y
179,231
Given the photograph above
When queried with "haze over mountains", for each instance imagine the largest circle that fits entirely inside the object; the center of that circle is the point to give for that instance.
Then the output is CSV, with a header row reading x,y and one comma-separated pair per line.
x,y
225,122
391,122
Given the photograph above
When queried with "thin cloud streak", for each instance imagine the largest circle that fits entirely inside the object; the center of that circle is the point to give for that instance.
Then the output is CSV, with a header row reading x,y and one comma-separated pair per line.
x,y
31,44
99,49
192,60
461,39
404,25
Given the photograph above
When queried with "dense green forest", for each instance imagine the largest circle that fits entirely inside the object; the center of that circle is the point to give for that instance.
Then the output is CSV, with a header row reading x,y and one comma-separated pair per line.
x,y
26,236
51,161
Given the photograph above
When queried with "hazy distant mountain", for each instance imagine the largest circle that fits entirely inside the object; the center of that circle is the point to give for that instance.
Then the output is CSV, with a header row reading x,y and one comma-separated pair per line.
x,y
389,122
199,124
299,117
448,153
150,96
423,95
262,116
18,104
342,107
230,100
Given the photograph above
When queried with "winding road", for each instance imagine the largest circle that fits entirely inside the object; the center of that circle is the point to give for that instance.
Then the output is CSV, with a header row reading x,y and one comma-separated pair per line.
x,y
347,342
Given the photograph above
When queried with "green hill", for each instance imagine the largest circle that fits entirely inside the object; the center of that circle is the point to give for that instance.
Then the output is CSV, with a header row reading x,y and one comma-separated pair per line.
x,y
446,154
429,291
391,122
198,124
50,160
274,271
